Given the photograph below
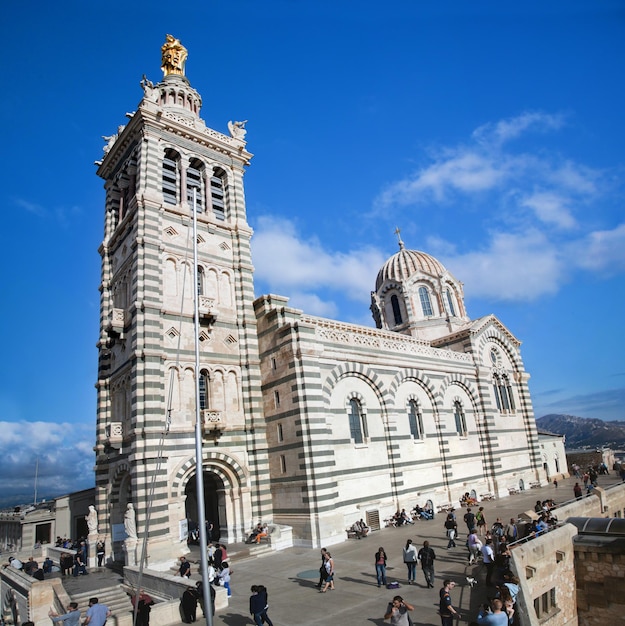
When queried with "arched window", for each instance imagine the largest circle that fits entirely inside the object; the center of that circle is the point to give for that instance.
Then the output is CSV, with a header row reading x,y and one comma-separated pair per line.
x,y
426,304
194,181
170,177
503,393
218,194
204,385
415,420
450,302
396,309
357,422
461,422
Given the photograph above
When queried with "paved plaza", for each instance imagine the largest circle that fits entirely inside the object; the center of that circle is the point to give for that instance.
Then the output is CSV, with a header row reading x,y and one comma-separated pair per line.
x,y
291,575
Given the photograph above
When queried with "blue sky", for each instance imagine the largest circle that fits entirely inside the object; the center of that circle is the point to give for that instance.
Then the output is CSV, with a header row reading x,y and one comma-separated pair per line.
x,y
491,133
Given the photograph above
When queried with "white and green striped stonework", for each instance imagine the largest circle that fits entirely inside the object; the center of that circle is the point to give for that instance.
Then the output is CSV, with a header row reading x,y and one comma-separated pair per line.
x,y
307,422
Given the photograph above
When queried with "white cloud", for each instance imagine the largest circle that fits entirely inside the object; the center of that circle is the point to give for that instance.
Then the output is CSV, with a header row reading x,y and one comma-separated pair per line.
x,y
463,171
601,251
502,131
493,174
550,208
285,260
31,207
512,267
65,454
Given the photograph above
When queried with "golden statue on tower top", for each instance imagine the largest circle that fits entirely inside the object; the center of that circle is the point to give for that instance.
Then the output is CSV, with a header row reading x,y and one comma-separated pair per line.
x,y
173,56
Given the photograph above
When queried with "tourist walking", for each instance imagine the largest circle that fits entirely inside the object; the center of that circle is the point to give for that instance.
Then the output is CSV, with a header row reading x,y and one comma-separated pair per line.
x,y
97,614
329,566
259,603
426,557
410,559
380,566
446,608
322,569
469,520
475,546
451,529
480,519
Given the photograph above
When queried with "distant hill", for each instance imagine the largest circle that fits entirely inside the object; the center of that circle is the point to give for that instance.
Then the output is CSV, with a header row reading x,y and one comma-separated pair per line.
x,y
584,432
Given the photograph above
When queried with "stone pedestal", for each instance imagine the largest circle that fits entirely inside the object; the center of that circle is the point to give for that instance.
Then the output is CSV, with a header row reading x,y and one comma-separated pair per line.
x,y
92,560
130,551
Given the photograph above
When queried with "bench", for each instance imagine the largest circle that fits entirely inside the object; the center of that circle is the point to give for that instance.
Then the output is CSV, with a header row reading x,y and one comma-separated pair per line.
x,y
390,522
443,508
513,491
487,496
535,484
352,534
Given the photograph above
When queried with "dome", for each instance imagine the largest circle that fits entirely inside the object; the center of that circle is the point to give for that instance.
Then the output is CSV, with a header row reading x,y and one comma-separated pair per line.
x,y
405,263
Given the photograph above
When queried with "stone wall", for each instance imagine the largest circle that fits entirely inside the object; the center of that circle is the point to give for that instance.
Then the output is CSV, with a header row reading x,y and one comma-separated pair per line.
x,y
600,580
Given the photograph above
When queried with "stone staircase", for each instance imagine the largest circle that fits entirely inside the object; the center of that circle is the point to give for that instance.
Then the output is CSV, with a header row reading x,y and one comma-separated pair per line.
x,y
116,598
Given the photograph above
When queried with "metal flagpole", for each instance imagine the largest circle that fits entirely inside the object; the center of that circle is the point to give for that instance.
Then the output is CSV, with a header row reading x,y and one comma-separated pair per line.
x,y
199,466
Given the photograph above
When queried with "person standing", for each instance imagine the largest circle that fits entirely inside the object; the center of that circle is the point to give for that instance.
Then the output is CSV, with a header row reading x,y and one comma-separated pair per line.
x,y
577,491
488,556
495,616
380,566
446,608
100,551
188,604
410,559
71,618
451,529
397,611
322,569
80,566
142,602
97,614
426,556
224,577
511,531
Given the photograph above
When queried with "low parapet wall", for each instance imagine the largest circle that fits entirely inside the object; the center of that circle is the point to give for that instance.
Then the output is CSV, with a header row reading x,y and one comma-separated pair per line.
x,y
545,565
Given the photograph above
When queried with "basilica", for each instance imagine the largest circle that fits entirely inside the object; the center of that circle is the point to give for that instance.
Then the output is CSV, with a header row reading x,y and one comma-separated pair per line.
x,y
307,423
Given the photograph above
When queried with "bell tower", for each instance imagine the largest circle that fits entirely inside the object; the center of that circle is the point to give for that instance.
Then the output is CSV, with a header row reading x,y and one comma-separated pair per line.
x,y
159,166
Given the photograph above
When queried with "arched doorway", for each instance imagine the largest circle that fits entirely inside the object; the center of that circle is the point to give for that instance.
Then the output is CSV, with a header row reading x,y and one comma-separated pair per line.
x,y
214,503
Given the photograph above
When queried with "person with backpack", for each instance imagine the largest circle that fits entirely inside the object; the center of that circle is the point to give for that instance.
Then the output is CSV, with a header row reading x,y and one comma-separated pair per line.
x,y
426,557
480,519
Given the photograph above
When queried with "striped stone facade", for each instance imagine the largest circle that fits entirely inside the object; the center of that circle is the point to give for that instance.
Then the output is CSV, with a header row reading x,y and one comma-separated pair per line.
x,y
145,450
323,479
307,422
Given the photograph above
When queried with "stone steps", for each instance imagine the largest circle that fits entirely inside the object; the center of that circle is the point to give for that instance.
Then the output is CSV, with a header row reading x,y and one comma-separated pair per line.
x,y
115,598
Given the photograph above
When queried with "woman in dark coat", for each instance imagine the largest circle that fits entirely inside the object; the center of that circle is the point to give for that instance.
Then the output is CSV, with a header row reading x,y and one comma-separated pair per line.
x,y
189,605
